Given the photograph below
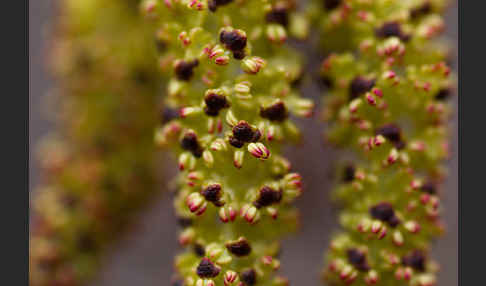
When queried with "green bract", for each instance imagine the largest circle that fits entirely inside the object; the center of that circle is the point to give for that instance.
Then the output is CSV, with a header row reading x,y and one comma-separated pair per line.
x,y
229,97
388,83
98,169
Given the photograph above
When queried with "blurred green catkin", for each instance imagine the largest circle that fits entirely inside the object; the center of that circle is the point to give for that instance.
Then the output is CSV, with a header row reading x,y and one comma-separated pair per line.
x,y
389,83
98,167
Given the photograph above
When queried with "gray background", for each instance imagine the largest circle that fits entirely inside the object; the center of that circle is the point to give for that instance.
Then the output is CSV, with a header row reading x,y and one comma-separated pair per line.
x,y
144,255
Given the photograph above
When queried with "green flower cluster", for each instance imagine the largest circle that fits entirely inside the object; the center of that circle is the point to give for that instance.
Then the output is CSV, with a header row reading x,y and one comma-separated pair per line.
x,y
231,83
229,97
98,169
389,84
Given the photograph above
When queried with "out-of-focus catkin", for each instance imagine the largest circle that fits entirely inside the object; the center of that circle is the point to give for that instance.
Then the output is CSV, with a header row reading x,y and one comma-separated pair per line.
x,y
389,83
98,168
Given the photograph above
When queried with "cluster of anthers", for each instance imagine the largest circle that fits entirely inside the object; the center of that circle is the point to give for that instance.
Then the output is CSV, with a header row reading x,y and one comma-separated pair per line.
x,y
389,84
98,169
230,93
229,98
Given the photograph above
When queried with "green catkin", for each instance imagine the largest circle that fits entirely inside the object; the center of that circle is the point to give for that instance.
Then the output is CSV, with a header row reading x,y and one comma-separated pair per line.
x,y
388,89
98,169
231,92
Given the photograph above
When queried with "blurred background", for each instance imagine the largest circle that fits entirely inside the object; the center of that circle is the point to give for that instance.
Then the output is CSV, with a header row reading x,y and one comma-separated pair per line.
x,y
143,255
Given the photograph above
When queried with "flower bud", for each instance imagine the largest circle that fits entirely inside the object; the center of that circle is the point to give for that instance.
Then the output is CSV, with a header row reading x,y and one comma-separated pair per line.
x,y
270,261
208,158
230,278
196,203
252,65
187,236
189,111
243,87
293,181
231,119
258,150
222,60
149,6
371,278
198,5
187,161
303,107
392,156
354,105
238,158
227,214
250,213
218,145
397,238
412,226
276,33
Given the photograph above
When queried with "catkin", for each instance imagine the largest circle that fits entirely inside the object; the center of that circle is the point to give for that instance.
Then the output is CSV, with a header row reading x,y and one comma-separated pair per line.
x,y
231,93
389,83
98,167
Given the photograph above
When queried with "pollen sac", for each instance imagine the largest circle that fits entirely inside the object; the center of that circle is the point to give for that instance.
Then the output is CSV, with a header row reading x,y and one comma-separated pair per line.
x,y
421,10
391,29
168,114
278,15
416,259
325,82
184,222
240,248
184,70
206,269
276,112
359,86
244,132
393,133
178,282
235,142
249,277
256,136
358,259
331,4
384,212
443,94
235,41
214,4
429,187
190,143
213,194
199,250
349,173
267,196
161,45
214,103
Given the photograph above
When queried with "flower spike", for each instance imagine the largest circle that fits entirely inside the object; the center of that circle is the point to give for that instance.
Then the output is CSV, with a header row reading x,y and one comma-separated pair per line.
x,y
232,79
